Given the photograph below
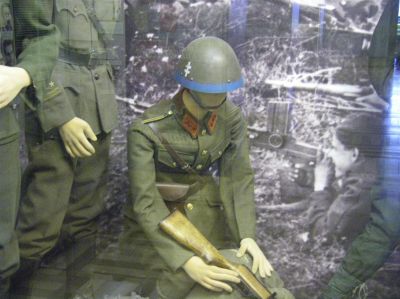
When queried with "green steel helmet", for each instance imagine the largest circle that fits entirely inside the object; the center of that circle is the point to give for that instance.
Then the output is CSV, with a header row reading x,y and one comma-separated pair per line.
x,y
209,65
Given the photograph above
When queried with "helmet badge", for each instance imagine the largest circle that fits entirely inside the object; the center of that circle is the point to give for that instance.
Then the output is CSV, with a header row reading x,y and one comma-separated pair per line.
x,y
188,68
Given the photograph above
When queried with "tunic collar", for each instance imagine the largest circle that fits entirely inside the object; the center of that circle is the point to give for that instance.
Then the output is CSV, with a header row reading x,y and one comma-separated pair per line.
x,y
189,123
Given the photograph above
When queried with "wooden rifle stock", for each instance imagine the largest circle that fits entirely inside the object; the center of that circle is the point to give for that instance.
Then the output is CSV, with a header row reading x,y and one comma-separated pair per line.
x,y
185,233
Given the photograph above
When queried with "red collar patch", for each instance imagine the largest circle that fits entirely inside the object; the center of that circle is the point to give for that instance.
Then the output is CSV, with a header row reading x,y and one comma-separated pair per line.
x,y
191,125
212,122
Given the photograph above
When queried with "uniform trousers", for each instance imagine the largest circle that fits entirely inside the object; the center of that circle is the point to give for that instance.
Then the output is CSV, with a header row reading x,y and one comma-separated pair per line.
x,y
61,197
10,173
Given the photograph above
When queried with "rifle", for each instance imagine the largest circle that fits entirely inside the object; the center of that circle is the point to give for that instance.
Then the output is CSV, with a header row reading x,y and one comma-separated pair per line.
x,y
177,226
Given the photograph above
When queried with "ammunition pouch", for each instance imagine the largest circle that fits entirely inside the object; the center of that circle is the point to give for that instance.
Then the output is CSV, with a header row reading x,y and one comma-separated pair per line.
x,y
174,195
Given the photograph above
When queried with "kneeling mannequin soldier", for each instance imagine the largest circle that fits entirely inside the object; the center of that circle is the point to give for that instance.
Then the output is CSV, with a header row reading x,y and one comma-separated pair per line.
x,y
207,132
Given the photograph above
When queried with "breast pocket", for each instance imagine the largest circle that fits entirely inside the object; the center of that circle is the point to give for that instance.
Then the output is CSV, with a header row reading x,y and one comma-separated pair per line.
x,y
107,10
217,151
73,21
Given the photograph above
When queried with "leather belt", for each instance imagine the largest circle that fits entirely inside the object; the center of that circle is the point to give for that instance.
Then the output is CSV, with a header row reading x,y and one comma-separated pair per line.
x,y
90,60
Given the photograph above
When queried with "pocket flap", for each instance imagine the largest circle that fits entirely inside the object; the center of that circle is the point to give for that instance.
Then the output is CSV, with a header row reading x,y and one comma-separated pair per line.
x,y
165,158
75,7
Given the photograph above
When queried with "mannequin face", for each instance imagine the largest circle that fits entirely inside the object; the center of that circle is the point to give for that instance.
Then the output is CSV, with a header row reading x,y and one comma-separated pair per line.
x,y
214,100
342,157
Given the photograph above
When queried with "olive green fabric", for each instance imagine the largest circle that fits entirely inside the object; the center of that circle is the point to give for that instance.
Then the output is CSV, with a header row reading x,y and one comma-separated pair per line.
x,y
9,184
32,20
37,41
61,196
87,93
222,207
71,191
37,55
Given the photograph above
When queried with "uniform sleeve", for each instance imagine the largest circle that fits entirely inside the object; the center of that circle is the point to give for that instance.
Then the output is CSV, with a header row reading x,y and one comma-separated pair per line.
x,y
36,43
350,211
344,215
317,211
237,180
370,249
148,206
56,109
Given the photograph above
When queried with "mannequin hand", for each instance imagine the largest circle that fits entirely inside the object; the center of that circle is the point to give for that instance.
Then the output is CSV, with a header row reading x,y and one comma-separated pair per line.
x,y
260,262
210,277
75,134
12,80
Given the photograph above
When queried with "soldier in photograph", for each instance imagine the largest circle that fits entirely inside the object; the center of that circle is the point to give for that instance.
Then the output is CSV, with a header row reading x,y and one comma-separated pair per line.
x,y
344,178
365,212
28,33
208,152
65,183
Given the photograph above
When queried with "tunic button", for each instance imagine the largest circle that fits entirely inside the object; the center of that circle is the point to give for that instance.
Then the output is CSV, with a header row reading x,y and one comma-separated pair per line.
x,y
219,153
14,106
189,206
203,132
204,152
198,167
174,164
170,112
75,9
96,76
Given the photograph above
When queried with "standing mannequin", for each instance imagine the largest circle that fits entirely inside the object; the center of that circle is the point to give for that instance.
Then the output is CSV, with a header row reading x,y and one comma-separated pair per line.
x,y
32,20
64,184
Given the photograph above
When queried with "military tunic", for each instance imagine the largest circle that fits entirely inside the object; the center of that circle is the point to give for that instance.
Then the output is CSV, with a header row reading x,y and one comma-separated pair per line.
x,y
36,41
343,210
63,196
222,207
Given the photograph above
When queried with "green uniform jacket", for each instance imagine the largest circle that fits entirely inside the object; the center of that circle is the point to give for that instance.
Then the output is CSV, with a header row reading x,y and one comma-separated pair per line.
x,y
36,40
343,210
372,247
230,202
85,91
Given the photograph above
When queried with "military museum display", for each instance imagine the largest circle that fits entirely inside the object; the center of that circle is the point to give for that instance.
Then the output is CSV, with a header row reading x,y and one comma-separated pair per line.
x,y
154,165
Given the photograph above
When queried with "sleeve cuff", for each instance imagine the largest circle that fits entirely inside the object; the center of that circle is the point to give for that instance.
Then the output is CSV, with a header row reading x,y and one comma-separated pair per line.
x,y
54,115
179,261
